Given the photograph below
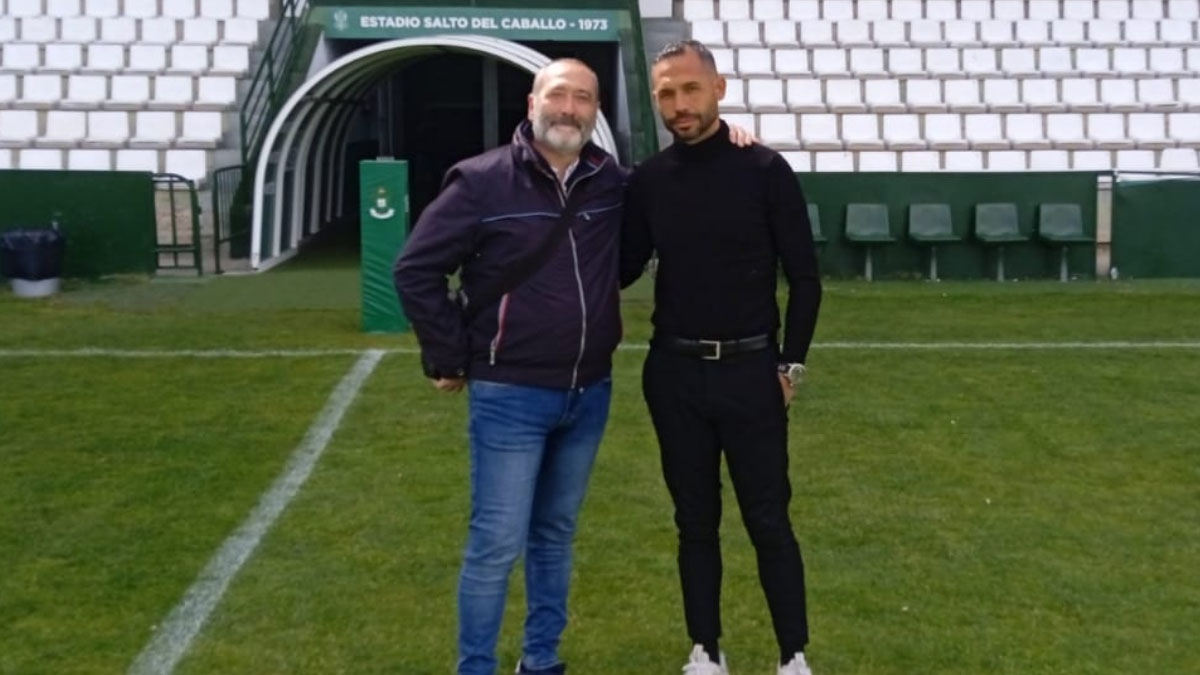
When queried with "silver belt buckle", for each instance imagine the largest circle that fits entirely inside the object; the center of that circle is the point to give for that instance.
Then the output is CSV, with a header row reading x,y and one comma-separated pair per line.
x,y
716,355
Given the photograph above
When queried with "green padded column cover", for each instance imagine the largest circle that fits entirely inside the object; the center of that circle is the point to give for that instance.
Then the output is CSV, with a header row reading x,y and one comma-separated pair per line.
x,y
383,185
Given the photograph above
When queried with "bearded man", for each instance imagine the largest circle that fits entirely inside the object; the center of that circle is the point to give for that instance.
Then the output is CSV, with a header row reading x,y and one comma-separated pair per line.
x,y
534,228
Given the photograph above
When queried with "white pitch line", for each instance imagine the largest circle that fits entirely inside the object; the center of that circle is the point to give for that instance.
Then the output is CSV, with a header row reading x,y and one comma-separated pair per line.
x,y
630,347
196,353
180,627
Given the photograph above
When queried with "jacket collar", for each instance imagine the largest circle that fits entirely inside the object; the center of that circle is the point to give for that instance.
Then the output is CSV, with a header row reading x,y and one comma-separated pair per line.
x,y
591,157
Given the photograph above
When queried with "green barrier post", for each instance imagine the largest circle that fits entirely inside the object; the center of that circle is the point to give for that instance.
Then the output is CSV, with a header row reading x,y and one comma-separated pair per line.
x,y
384,225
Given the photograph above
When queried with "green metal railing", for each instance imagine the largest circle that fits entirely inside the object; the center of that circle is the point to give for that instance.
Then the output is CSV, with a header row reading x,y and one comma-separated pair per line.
x,y
179,251
269,87
229,227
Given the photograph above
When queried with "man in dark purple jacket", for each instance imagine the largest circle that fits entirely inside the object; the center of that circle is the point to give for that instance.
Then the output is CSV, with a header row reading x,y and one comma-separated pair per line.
x,y
534,350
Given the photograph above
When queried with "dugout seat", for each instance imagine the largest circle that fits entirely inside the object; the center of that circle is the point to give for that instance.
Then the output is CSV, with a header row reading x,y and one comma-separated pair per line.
x,y
867,226
996,225
930,225
814,222
1062,224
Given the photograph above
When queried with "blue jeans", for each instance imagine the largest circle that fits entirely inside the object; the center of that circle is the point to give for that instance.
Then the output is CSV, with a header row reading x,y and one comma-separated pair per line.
x,y
532,451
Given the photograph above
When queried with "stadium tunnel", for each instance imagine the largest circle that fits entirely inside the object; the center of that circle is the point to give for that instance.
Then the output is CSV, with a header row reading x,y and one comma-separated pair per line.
x,y
429,100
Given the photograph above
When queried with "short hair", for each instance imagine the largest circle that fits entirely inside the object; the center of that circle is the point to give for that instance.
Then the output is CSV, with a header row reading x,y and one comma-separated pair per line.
x,y
540,76
682,47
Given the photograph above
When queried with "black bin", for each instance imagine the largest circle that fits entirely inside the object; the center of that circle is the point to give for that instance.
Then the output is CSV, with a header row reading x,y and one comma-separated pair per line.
x,y
33,259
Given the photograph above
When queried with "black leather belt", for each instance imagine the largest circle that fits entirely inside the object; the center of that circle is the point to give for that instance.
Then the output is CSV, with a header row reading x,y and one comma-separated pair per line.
x,y
711,350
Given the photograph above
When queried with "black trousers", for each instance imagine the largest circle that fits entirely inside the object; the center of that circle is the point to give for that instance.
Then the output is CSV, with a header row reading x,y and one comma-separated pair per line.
x,y
700,408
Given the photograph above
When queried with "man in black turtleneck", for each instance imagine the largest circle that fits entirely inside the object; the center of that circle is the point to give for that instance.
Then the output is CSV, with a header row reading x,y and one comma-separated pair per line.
x,y
723,220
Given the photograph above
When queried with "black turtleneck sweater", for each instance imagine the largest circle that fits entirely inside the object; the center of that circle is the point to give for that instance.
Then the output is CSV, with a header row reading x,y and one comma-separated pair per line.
x,y
723,219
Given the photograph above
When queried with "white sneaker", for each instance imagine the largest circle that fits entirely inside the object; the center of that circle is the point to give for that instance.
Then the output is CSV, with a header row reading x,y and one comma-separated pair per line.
x,y
797,666
699,663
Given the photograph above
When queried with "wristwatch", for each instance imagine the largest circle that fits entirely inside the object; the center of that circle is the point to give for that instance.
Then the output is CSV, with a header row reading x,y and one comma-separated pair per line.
x,y
793,371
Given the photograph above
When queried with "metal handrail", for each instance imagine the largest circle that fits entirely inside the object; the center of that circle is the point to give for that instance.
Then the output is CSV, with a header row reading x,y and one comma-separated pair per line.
x,y
175,248
266,88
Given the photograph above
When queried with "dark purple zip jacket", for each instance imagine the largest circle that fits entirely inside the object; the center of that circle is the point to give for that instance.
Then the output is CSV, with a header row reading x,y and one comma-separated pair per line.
x,y
556,329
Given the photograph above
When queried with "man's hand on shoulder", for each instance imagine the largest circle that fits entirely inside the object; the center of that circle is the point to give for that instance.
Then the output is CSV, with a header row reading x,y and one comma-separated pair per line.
x,y
741,137
449,384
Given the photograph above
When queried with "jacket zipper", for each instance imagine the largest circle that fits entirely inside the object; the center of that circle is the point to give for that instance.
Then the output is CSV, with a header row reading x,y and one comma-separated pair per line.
x,y
500,316
563,196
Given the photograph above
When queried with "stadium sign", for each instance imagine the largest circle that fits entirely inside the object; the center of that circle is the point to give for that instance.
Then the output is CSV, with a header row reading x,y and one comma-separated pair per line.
x,y
383,23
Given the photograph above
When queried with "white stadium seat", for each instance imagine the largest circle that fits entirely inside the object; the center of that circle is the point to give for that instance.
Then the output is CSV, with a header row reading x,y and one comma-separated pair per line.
x,y
1041,95
81,29
89,160
179,9
1168,62
140,8
754,63
779,130
8,29
803,9
1189,93
1068,32
1108,131
39,29
735,95
854,33
844,96
867,63
63,58
963,160
18,128
153,130
696,9
923,33
997,33
919,160
1142,32
962,96
172,92
924,95
871,9
732,9
1184,128
837,9
101,8
128,92
889,33
1179,159
724,60
906,9
765,96
239,31
780,33
905,61
1066,132
861,132
1176,31
1049,160
834,161
710,33
744,33
1079,9
805,95
816,33
1091,160
121,30
830,62
1006,160
1003,96
985,132
1080,95
188,59
819,132
8,90
877,161
64,129
1158,95
104,58
144,58
1120,96
201,31
1033,33
41,160
1018,62
20,57
883,96
1149,131
1104,32
1130,62
41,91
979,62
1136,160
107,129
191,164
1046,10
791,62
769,10
801,162
216,93
903,132
944,132
85,92
160,31
1113,9
63,8
1183,9
1055,61
1008,9
943,63
976,10
138,160
1024,130
962,33
254,9
941,9
218,9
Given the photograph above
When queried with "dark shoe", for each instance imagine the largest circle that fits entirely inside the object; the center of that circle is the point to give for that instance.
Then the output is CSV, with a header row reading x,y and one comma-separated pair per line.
x,y
558,669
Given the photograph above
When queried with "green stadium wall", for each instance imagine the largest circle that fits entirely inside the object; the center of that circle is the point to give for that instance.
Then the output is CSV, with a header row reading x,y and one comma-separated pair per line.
x,y
1156,228
967,259
107,216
